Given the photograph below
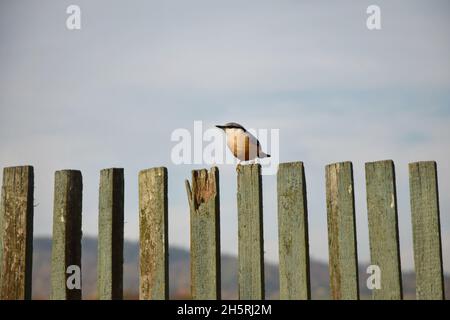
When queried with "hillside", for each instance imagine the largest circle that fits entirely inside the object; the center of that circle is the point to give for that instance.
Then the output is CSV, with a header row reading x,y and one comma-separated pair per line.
x,y
179,274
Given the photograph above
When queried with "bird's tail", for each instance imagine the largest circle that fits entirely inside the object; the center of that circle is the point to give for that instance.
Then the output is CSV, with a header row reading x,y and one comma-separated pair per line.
x,y
263,155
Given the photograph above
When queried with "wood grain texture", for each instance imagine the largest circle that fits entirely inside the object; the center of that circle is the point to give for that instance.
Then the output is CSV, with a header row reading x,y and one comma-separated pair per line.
x,y
110,235
383,228
423,184
16,233
66,244
205,234
342,231
153,234
293,232
250,225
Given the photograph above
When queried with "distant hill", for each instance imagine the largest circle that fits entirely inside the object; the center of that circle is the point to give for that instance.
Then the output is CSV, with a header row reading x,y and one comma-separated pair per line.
x,y
179,278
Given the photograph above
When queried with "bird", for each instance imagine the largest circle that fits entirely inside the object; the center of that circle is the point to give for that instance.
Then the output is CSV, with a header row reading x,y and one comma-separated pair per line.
x,y
242,143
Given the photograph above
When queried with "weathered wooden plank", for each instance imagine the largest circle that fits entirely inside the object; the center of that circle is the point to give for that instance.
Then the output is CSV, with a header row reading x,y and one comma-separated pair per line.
x,y
153,234
250,225
423,184
205,234
383,228
110,235
293,232
66,246
343,262
16,233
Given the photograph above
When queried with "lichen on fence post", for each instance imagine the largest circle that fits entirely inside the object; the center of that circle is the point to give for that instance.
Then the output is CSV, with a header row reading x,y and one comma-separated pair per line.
x,y
293,232
423,183
205,234
110,235
153,235
342,231
16,233
250,225
383,228
66,242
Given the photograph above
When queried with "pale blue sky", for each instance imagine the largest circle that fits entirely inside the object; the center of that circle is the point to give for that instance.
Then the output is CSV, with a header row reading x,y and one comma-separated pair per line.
x,y
112,93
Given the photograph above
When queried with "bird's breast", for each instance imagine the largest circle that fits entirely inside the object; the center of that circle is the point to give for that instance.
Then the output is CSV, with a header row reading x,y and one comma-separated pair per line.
x,y
241,146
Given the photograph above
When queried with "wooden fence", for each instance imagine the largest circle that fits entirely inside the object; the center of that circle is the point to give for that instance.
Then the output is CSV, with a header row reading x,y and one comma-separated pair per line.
x,y
16,232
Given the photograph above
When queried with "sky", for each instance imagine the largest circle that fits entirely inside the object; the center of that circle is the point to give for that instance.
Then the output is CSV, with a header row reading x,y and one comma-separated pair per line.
x,y
112,93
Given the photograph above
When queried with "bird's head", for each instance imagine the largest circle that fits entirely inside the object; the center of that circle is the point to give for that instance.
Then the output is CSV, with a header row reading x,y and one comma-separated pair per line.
x,y
231,125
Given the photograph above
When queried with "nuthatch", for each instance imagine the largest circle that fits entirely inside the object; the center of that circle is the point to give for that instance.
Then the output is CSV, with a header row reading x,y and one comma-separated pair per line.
x,y
242,143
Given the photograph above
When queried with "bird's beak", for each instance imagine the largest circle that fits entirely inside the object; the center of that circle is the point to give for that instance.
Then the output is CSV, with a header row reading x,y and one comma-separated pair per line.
x,y
221,127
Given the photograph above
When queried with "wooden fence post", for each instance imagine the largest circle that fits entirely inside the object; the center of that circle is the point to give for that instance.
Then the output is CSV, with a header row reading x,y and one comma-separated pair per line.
x,y
423,185
293,232
66,245
342,231
383,228
250,225
153,235
110,235
205,234
16,233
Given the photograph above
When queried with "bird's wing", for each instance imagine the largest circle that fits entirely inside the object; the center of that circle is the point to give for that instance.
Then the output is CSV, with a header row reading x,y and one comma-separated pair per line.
x,y
255,146
252,139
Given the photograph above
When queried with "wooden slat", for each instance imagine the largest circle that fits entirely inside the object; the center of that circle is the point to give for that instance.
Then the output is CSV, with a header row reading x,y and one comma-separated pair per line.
x,y
293,232
343,262
383,228
16,233
66,246
110,235
250,225
423,185
153,234
205,234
